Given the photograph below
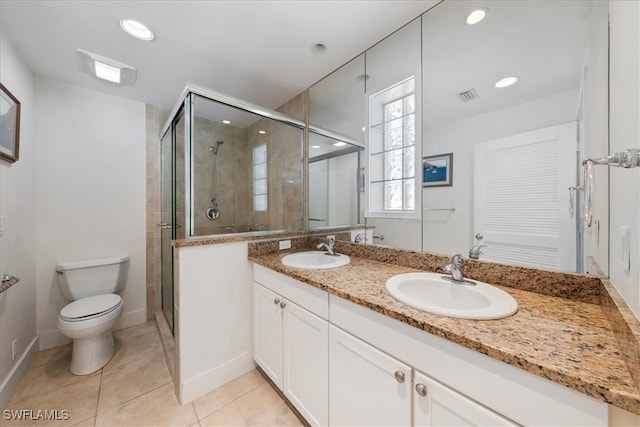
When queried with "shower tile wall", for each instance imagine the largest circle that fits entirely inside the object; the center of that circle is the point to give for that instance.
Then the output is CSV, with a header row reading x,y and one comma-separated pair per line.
x,y
229,182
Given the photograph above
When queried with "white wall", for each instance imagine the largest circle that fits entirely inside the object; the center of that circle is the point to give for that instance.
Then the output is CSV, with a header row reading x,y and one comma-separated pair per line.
x,y
17,243
90,175
625,133
213,317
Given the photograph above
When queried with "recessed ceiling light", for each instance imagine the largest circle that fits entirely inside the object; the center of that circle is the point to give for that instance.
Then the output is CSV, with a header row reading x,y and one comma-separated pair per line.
x,y
136,29
318,48
476,16
507,81
363,128
226,122
106,68
262,132
339,144
315,146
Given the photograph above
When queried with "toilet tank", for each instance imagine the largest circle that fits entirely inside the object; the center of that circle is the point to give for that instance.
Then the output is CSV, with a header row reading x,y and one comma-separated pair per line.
x,y
89,277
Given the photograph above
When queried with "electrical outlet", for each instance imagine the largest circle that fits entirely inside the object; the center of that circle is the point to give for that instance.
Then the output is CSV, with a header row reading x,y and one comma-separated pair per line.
x,y
13,349
284,244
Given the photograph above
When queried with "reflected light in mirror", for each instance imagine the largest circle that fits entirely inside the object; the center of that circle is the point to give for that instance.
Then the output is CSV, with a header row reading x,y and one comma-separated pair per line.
x,y
262,132
226,122
506,82
339,144
315,146
476,16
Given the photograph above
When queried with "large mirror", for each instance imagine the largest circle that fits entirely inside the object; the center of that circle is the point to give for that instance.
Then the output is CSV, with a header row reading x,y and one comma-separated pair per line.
x,y
516,150
336,102
335,183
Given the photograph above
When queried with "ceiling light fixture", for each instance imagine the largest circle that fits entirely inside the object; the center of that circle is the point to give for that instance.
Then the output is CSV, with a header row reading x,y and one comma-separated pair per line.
x,y
262,132
106,68
315,146
339,144
507,81
137,29
226,122
476,16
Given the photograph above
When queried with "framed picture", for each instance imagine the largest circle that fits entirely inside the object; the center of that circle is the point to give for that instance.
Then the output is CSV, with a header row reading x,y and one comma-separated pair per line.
x,y
9,126
437,171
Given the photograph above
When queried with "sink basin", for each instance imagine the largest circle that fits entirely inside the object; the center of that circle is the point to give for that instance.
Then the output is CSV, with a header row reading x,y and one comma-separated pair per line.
x,y
436,294
315,260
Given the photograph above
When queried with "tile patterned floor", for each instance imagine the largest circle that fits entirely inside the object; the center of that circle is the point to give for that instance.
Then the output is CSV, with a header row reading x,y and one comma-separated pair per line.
x,y
135,389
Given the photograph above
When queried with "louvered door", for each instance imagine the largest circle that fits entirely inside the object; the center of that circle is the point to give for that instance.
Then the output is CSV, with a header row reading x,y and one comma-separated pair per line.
x,y
521,197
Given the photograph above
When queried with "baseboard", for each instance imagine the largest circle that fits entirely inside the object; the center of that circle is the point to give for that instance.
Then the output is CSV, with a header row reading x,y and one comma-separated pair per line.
x,y
9,384
131,318
193,388
53,338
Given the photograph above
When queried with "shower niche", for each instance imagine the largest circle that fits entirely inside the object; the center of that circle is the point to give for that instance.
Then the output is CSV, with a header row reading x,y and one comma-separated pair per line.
x,y
242,167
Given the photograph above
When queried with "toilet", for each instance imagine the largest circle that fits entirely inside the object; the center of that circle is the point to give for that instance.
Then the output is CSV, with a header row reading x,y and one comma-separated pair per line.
x,y
92,285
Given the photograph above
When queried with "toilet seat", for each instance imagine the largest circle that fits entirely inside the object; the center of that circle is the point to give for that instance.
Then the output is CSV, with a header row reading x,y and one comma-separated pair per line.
x,y
90,307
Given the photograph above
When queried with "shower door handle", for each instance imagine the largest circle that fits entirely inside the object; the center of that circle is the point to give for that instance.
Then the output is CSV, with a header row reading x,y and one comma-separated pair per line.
x,y
165,225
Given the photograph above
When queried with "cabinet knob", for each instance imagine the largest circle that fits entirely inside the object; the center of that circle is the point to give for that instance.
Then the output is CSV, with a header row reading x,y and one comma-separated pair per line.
x,y
421,389
276,301
283,304
399,375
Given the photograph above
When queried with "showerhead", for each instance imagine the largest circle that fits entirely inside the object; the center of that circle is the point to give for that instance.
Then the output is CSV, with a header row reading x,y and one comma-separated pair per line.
x,y
214,148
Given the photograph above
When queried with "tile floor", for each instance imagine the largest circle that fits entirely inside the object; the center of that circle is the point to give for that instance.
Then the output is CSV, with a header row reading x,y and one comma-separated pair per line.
x,y
135,389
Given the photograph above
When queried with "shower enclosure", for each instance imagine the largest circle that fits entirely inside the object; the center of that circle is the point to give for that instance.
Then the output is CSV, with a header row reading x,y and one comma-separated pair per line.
x,y
227,167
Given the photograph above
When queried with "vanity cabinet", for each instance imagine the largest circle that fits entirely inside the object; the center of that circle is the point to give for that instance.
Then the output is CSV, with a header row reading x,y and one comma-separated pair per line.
x,y
291,343
369,387
366,386
435,404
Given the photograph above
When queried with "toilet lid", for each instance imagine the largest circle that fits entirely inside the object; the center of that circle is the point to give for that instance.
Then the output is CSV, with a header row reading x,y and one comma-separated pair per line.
x,y
90,306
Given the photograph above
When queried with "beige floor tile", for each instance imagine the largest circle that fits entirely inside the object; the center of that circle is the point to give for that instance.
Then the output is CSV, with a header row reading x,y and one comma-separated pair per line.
x,y
80,399
129,381
133,343
211,402
48,371
90,422
260,407
156,408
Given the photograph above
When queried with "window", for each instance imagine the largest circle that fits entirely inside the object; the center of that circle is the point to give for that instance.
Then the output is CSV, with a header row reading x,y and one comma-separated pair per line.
x,y
260,178
392,150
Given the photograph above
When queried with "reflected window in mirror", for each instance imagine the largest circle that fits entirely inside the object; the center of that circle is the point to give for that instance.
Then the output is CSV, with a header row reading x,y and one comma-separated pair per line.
x,y
260,178
392,149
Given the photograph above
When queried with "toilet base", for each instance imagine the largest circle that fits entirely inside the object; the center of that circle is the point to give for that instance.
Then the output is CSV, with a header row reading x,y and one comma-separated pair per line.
x,y
90,354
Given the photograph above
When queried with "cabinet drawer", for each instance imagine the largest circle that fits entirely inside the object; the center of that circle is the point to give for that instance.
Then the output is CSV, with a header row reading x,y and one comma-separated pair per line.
x,y
313,299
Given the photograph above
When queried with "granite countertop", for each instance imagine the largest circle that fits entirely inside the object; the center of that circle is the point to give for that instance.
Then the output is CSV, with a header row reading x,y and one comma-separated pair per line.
x,y
566,341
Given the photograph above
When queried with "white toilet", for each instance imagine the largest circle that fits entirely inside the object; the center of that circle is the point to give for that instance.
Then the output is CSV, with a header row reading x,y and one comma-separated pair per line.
x,y
91,284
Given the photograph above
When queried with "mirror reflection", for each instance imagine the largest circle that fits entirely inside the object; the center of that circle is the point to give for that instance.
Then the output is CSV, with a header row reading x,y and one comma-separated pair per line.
x,y
335,184
515,195
510,105
337,101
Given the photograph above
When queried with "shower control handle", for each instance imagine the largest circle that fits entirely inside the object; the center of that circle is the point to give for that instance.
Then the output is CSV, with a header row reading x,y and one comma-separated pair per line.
x,y
283,304
276,301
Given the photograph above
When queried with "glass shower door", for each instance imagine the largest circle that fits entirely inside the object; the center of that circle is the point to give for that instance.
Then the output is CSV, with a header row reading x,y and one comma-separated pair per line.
x,y
166,224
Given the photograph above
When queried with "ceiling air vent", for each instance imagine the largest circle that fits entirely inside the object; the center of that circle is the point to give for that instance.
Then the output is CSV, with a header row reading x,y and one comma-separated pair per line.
x,y
468,95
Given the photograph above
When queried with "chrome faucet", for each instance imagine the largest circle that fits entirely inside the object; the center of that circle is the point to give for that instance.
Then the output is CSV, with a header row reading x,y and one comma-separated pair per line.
x,y
474,252
331,240
360,238
455,268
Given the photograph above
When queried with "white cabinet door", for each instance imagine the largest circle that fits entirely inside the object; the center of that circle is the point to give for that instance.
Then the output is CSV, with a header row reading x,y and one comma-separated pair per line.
x,y
267,332
366,386
438,405
306,363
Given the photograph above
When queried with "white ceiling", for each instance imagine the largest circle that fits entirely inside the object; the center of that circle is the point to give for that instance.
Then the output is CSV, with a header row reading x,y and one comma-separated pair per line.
x,y
259,51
